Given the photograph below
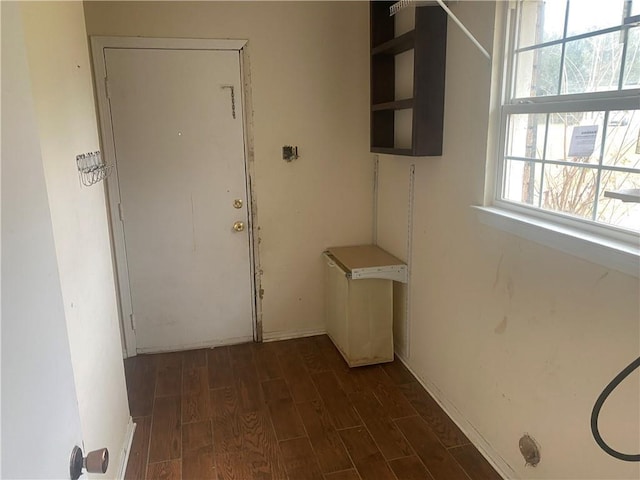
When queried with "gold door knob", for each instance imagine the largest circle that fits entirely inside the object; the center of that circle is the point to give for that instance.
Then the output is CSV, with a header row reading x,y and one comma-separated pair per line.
x,y
237,203
238,226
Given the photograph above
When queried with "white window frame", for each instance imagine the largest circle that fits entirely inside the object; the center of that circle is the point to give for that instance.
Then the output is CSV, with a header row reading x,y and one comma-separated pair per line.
x,y
604,244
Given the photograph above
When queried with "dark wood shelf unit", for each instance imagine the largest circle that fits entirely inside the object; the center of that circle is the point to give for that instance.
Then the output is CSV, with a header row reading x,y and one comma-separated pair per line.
x,y
428,42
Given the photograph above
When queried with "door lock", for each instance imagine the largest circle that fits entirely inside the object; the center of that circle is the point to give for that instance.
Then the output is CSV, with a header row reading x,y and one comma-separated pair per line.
x,y
237,203
238,226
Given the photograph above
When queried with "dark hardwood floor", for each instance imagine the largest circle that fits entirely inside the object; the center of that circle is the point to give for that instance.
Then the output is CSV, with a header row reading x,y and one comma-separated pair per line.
x,y
289,410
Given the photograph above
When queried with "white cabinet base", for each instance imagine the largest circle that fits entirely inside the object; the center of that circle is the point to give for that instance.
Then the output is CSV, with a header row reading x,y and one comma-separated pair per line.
x,y
359,315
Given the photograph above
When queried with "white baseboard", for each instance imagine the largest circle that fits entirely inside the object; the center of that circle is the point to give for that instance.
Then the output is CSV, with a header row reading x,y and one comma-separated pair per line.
x,y
287,335
126,449
194,346
483,446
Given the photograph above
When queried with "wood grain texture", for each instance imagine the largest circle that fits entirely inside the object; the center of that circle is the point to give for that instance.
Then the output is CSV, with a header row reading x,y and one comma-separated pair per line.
x,y
330,354
435,457
288,410
232,466
196,435
194,358
368,460
393,401
227,430
297,376
260,447
137,464
312,356
195,395
389,439
409,468
276,391
299,459
199,464
266,360
474,463
194,380
336,402
171,470
326,442
219,367
285,347
245,378
284,416
140,374
343,475
169,376
398,372
361,379
229,457
166,431
439,422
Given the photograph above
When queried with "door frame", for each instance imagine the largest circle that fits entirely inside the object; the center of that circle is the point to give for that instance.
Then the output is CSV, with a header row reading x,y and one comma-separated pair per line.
x,y
123,289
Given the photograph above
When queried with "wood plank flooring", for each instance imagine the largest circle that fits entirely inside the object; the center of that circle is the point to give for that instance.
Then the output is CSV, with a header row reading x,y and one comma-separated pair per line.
x,y
289,410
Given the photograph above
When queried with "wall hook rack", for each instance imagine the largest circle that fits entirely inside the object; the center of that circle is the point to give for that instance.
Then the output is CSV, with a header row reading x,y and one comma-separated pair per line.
x,y
91,168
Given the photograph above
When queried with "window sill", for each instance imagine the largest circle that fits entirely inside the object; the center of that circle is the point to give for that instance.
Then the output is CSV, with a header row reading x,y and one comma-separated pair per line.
x,y
607,252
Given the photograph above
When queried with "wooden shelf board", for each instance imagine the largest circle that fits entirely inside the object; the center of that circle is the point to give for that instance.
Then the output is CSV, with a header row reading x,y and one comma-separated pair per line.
x,y
396,105
392,151
396,45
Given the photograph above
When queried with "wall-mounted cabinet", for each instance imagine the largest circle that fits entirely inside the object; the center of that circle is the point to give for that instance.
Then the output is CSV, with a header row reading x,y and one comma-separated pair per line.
x,y
428,43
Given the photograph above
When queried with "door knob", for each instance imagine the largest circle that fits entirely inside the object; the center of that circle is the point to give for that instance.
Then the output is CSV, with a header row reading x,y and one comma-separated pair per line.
x,y
237,203
95,462
238,226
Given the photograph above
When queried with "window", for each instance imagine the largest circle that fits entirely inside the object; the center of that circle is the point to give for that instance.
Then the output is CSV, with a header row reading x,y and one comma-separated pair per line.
x,y
570,118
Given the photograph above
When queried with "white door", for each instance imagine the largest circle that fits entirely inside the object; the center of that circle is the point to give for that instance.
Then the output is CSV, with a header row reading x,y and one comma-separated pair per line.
x,y
177,123
40,417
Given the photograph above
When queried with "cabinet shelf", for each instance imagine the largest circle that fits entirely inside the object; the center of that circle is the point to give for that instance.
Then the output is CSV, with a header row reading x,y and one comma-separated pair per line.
x,y
395,105
392,151
428,43
396,45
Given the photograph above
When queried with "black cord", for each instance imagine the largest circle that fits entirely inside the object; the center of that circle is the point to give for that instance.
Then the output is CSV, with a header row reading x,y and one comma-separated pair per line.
x,y
596,412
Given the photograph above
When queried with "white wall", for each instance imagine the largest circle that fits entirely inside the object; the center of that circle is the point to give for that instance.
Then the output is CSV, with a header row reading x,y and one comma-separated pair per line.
x,y
393,222
40,420
63,95
512,336
570,325
309,66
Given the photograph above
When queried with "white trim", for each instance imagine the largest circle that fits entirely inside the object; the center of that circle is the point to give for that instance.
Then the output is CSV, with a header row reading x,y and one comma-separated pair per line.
x,y
196,345
166,43
98,45
596,241
252,202
604,251
376,182
125,309
126,449
475,437
289,334
407,307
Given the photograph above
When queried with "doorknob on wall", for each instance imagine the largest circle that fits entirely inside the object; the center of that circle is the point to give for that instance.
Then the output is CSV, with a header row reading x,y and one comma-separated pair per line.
x,y
95,462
